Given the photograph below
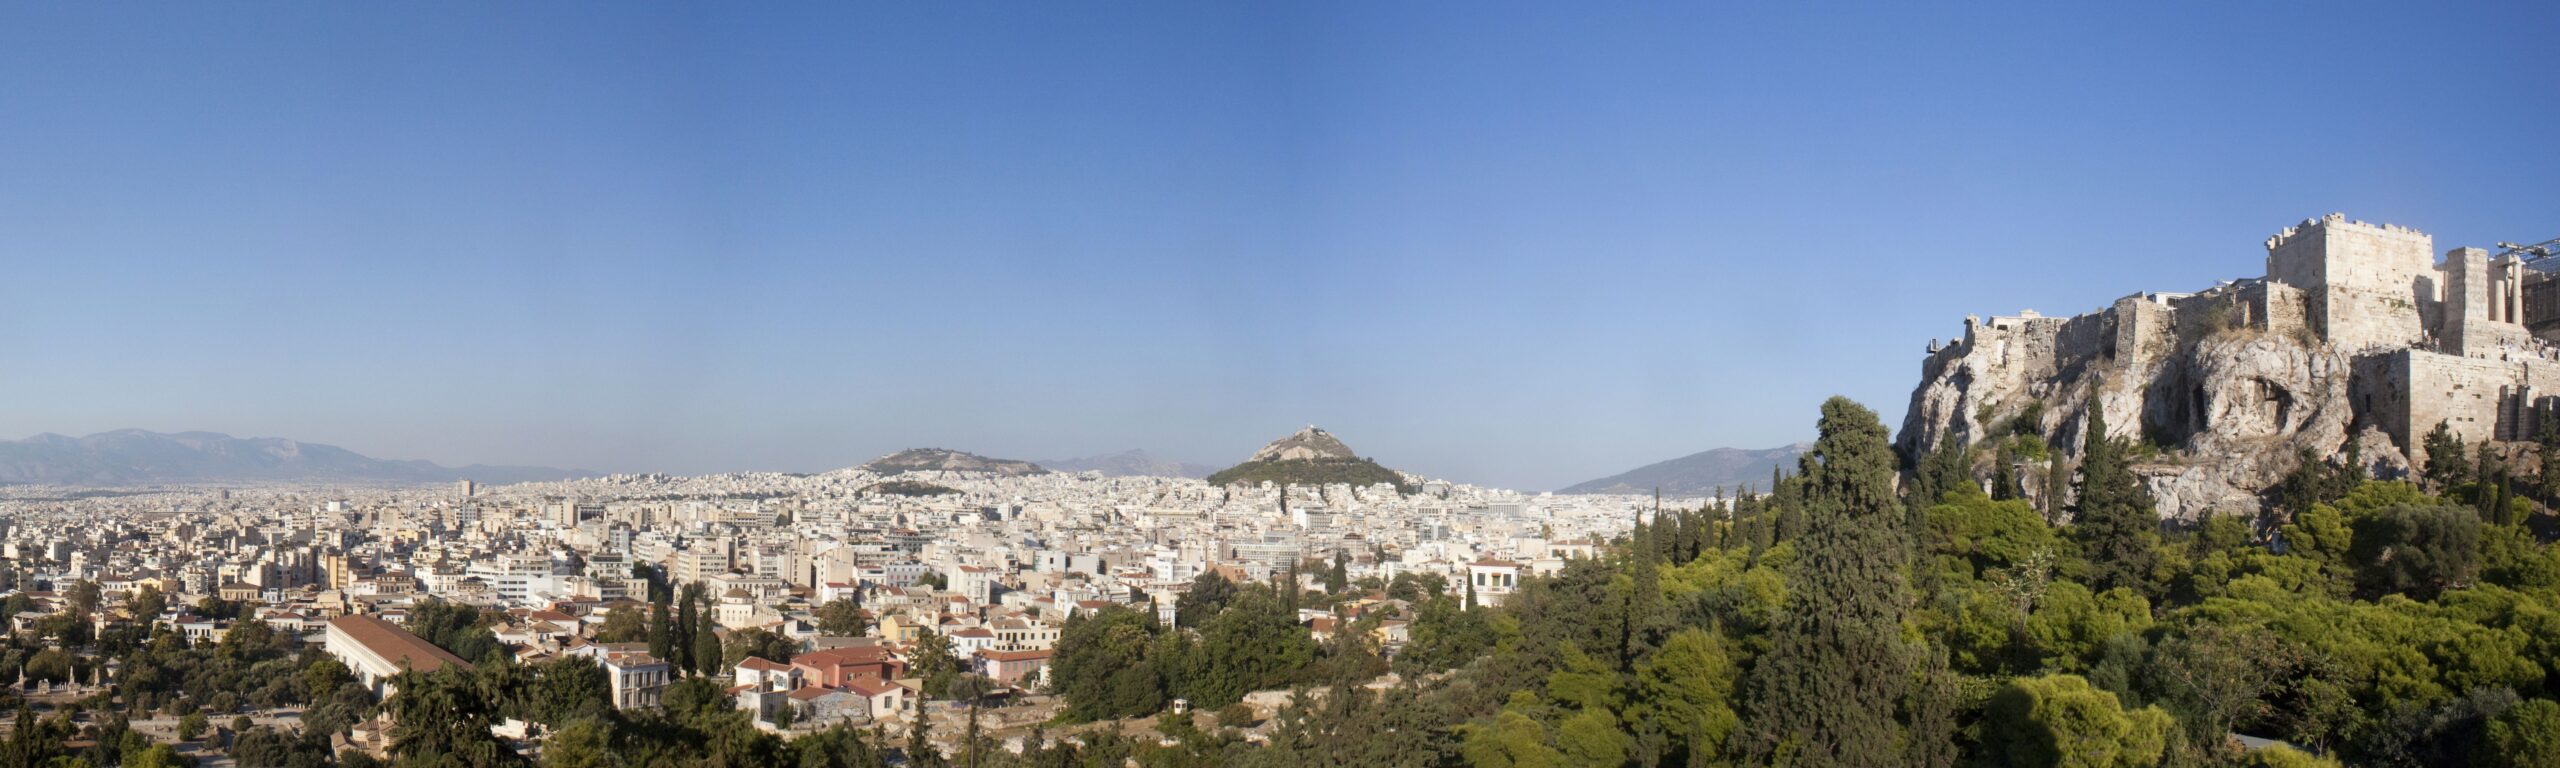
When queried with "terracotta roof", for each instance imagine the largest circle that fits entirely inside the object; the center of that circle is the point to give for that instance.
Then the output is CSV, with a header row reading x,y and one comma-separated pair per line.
x,y
762,664
869,687
396,645
631,659
1031,655
860,654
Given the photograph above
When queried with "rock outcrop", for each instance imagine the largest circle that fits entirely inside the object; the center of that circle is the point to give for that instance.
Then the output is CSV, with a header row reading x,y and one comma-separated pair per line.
x,y
1311,457
1309,444
2222,413
2356,336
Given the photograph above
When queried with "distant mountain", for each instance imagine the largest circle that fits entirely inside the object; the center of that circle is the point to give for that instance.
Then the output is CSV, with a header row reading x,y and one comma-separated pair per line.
x,y
1131,463
947,460
138,457
1699,473
1310,457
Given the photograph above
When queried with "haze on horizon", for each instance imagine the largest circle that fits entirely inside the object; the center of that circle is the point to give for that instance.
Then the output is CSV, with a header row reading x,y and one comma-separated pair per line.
x,y
1525,246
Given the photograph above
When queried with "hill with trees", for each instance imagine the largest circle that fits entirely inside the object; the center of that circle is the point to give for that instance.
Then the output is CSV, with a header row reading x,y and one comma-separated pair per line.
x,y
947,460
1845,618
1311,456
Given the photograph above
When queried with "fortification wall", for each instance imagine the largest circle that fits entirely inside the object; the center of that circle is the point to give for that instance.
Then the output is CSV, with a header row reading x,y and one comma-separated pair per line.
x,y
2350,338
2477,398
2146,329
2084,339
2366,286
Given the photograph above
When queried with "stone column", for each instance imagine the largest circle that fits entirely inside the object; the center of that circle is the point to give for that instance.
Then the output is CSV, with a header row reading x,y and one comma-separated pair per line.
x,y
2515,290
2466,300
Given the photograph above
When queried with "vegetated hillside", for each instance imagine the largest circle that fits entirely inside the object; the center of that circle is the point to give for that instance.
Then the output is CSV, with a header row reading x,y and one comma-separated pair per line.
x,y
1699,473
139,457
947,460
908,488
1309,472
1309,457
1132,463
1851,618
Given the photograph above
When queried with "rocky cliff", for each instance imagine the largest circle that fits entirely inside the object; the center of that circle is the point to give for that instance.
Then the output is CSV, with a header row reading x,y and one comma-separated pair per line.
x,y
2219,391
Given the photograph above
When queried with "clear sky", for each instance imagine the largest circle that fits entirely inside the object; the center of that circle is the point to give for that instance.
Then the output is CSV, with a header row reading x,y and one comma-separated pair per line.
x,y
1516,245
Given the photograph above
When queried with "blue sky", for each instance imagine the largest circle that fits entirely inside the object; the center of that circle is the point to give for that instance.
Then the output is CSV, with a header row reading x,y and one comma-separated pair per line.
x,y
1522,245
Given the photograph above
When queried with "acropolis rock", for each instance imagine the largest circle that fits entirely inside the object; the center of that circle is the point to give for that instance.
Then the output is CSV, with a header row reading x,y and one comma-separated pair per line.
x,y
2357,332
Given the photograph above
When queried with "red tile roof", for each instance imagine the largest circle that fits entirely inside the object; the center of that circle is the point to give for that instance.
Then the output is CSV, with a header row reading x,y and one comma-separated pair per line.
x,y
396,645
869,687
762,664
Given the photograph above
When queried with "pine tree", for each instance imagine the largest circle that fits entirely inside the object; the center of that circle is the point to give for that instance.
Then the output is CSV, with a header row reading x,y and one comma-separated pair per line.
x,y
2546,482
2115,521
1941,471
2448,460
1826,692
921,753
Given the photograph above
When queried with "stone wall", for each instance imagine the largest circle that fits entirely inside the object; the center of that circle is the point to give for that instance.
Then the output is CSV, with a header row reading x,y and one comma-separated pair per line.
x,y
2482,313
2366,286
2356,335
2478,398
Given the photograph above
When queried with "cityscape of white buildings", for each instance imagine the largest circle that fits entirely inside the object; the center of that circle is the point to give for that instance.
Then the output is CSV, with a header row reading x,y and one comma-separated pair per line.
x,y
1013,557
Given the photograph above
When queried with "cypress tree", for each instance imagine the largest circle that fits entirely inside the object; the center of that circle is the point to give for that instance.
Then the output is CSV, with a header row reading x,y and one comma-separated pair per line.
x,y
706,641
1826,692
2004,474
2054,480
2114,521
1645,599
680,634
660,641
1711,536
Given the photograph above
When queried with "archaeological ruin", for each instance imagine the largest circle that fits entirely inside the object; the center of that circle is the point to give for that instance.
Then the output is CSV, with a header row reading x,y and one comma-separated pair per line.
x,y
2356,333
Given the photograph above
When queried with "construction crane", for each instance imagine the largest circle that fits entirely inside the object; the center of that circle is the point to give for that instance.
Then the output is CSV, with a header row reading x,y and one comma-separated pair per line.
x,y
2529,254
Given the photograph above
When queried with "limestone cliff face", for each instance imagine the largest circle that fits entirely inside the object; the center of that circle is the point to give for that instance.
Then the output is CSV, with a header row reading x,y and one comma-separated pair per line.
x,y
2356,335
1310,444
2227,402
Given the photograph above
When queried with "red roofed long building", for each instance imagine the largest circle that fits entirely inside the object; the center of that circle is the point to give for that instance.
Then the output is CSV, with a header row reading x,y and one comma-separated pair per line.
x,y
375,650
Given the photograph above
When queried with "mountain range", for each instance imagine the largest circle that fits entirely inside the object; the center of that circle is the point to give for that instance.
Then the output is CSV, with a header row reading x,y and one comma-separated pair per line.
x,y
139,457
1132,463
1699,473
